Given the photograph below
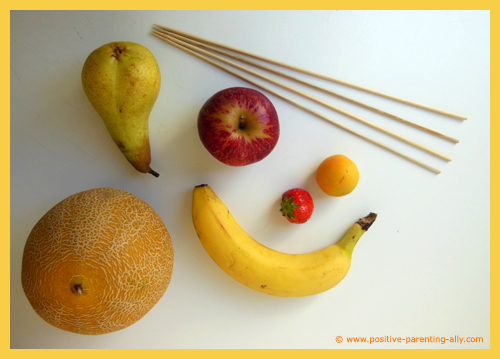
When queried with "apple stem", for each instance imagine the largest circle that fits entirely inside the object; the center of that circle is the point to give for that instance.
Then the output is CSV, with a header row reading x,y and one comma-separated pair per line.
x,y
154,173
241,123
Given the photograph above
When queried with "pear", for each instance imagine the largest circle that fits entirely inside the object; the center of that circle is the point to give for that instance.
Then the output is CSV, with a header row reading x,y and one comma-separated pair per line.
x,y
122,82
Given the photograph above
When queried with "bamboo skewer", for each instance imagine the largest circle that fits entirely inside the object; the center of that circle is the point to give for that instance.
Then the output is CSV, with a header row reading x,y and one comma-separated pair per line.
x,y
318,75
305,95
282,74
287,99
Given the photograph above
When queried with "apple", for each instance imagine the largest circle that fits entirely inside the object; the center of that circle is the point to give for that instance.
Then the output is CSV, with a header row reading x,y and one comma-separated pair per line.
x,y
238,126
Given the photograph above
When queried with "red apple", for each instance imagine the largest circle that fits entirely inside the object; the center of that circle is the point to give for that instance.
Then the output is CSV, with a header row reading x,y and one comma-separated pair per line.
x,y
238,126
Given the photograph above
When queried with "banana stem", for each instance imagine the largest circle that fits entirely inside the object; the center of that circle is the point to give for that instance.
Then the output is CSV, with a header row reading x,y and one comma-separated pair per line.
x,y
367,221
356,231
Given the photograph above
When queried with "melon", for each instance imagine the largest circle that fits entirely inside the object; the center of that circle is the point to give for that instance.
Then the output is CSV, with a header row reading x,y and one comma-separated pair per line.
x,y
97,262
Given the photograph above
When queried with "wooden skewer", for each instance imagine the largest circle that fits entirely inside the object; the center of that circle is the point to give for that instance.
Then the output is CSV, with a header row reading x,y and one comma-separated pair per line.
x,y
282,74
294,103
318,75
303,94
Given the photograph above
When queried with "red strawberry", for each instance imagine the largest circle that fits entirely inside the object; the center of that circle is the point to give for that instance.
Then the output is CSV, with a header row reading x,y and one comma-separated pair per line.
x,y
296,205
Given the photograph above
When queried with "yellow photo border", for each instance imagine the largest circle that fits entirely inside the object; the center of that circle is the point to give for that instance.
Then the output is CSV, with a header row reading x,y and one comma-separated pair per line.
x,y
326,354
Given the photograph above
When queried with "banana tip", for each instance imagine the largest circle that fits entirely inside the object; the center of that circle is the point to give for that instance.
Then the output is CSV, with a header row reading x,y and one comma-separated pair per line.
x,y
367,221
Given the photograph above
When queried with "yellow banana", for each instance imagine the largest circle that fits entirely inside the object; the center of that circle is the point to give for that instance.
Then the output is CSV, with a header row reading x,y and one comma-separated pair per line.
x,y
264,269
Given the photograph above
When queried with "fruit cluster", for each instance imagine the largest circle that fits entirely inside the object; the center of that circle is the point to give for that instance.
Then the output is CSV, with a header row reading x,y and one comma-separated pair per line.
x,y
337,176
239,126
105,254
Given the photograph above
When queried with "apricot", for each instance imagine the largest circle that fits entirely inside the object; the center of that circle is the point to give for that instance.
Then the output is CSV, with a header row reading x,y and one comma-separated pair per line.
x,y
337,176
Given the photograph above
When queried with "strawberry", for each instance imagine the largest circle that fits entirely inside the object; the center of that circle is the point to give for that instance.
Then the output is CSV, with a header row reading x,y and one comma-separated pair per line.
x,y
296,205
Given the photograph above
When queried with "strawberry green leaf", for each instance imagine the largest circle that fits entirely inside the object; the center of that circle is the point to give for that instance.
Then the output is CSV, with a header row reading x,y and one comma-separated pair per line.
x,y
288,207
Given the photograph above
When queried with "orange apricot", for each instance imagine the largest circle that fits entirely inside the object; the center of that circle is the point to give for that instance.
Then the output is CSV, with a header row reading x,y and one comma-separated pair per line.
x,y
337,176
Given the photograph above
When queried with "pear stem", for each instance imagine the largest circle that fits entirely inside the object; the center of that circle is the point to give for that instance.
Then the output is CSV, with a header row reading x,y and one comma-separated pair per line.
x,y
154,173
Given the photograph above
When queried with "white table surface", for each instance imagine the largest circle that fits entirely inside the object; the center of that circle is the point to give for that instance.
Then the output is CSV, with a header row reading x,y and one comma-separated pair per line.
x,y
421,271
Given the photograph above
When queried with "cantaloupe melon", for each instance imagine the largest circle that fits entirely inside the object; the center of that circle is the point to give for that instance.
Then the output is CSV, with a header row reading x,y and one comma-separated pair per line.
x,y
97,262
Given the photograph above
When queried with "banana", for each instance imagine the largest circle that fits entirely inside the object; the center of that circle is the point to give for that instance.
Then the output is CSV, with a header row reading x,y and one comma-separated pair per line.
x,y
264,269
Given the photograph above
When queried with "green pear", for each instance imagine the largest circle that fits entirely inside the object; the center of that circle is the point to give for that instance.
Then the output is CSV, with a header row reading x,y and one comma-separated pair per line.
x,y
122,82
